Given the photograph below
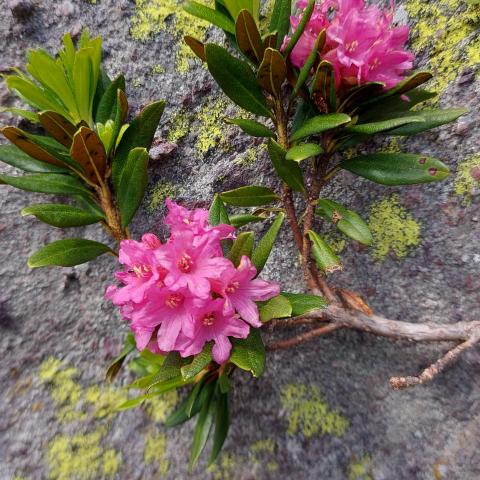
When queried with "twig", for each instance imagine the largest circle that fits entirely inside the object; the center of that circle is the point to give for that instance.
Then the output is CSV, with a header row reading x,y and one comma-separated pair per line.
x,y
303,337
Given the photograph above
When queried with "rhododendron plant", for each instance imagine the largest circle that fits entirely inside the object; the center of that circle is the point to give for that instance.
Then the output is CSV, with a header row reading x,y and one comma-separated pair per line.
x,y
184,293
313,85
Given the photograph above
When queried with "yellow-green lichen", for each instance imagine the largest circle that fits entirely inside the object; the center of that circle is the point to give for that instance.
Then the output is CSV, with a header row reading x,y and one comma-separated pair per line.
x,y
105,400
226,466
392,146
154,16
446,31
360,468
393,228
336,241
82,456
159,193
159,407
250,155
467,180
157,69
154,451
308,413
212,126
179,126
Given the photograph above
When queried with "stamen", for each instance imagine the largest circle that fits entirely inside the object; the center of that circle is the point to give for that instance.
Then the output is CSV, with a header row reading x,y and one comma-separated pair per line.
x,y
174,300
185,263
232,287
208,319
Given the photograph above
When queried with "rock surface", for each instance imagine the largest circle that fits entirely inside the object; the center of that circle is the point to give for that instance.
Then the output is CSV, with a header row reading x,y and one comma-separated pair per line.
x,y
322,411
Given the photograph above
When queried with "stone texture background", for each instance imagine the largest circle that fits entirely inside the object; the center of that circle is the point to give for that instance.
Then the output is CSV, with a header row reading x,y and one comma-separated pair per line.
x,y
323,411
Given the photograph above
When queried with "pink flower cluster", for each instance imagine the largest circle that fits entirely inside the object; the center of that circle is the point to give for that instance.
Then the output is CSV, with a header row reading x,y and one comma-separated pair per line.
x,y
362,44
183,293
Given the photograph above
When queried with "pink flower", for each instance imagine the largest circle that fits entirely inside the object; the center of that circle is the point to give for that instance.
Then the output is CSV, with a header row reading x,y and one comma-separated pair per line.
x,y
192,264
183,293
240,290
212,323
362,44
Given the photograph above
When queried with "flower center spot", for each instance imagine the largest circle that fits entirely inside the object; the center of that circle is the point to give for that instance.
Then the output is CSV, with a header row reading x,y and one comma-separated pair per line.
x,y
174,300
208,319
185,263
232,287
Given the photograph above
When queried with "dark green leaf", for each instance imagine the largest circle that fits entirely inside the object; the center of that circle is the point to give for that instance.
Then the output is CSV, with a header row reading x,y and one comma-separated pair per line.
x,y
61,215
251,196
12,155
140,133
306,14
319,124
224,383
323,254
360,94
272,72
237,80
240,220
302,303
251,127
397,168
287,170
276,307
382,126
222,423
430,119
304,151
249,353
218,213
67,253
202,430
107,106
347,221
199,362
210,15
188,408
242,245
53,183
132,183
262,251
323,89
115,366
280,19
248,36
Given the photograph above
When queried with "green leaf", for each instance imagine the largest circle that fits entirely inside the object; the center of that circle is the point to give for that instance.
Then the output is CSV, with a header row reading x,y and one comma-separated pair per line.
x,y
319,124
67,253
224,383
302,303
429,119
347,221
169,370
133,402
249,353
323,91
199,362
251,127
262,251
276,307
107,106
12,155
26,114
287,170
61,215
248,37
272,72
132,184
213,16
243,245
397,168
385,125
250,196
241,220
413,81
116,365
188,408
202,430
310,62
237,80
53,183
222,424
280,19
119,127
140,133
323,254
306,14
299,153
218,213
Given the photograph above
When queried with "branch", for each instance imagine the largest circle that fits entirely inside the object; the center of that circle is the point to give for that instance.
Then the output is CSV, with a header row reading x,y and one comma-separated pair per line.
x,y
338,316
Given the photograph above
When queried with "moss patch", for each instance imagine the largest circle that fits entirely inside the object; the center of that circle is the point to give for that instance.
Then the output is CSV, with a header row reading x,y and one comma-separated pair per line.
x,y
446,31
159,193
360,468
467,180
153,16
154,451
309,414
393,228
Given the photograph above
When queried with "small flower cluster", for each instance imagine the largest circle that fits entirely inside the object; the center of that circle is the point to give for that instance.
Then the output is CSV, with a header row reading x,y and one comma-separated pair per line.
x,y
183,293
361,43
